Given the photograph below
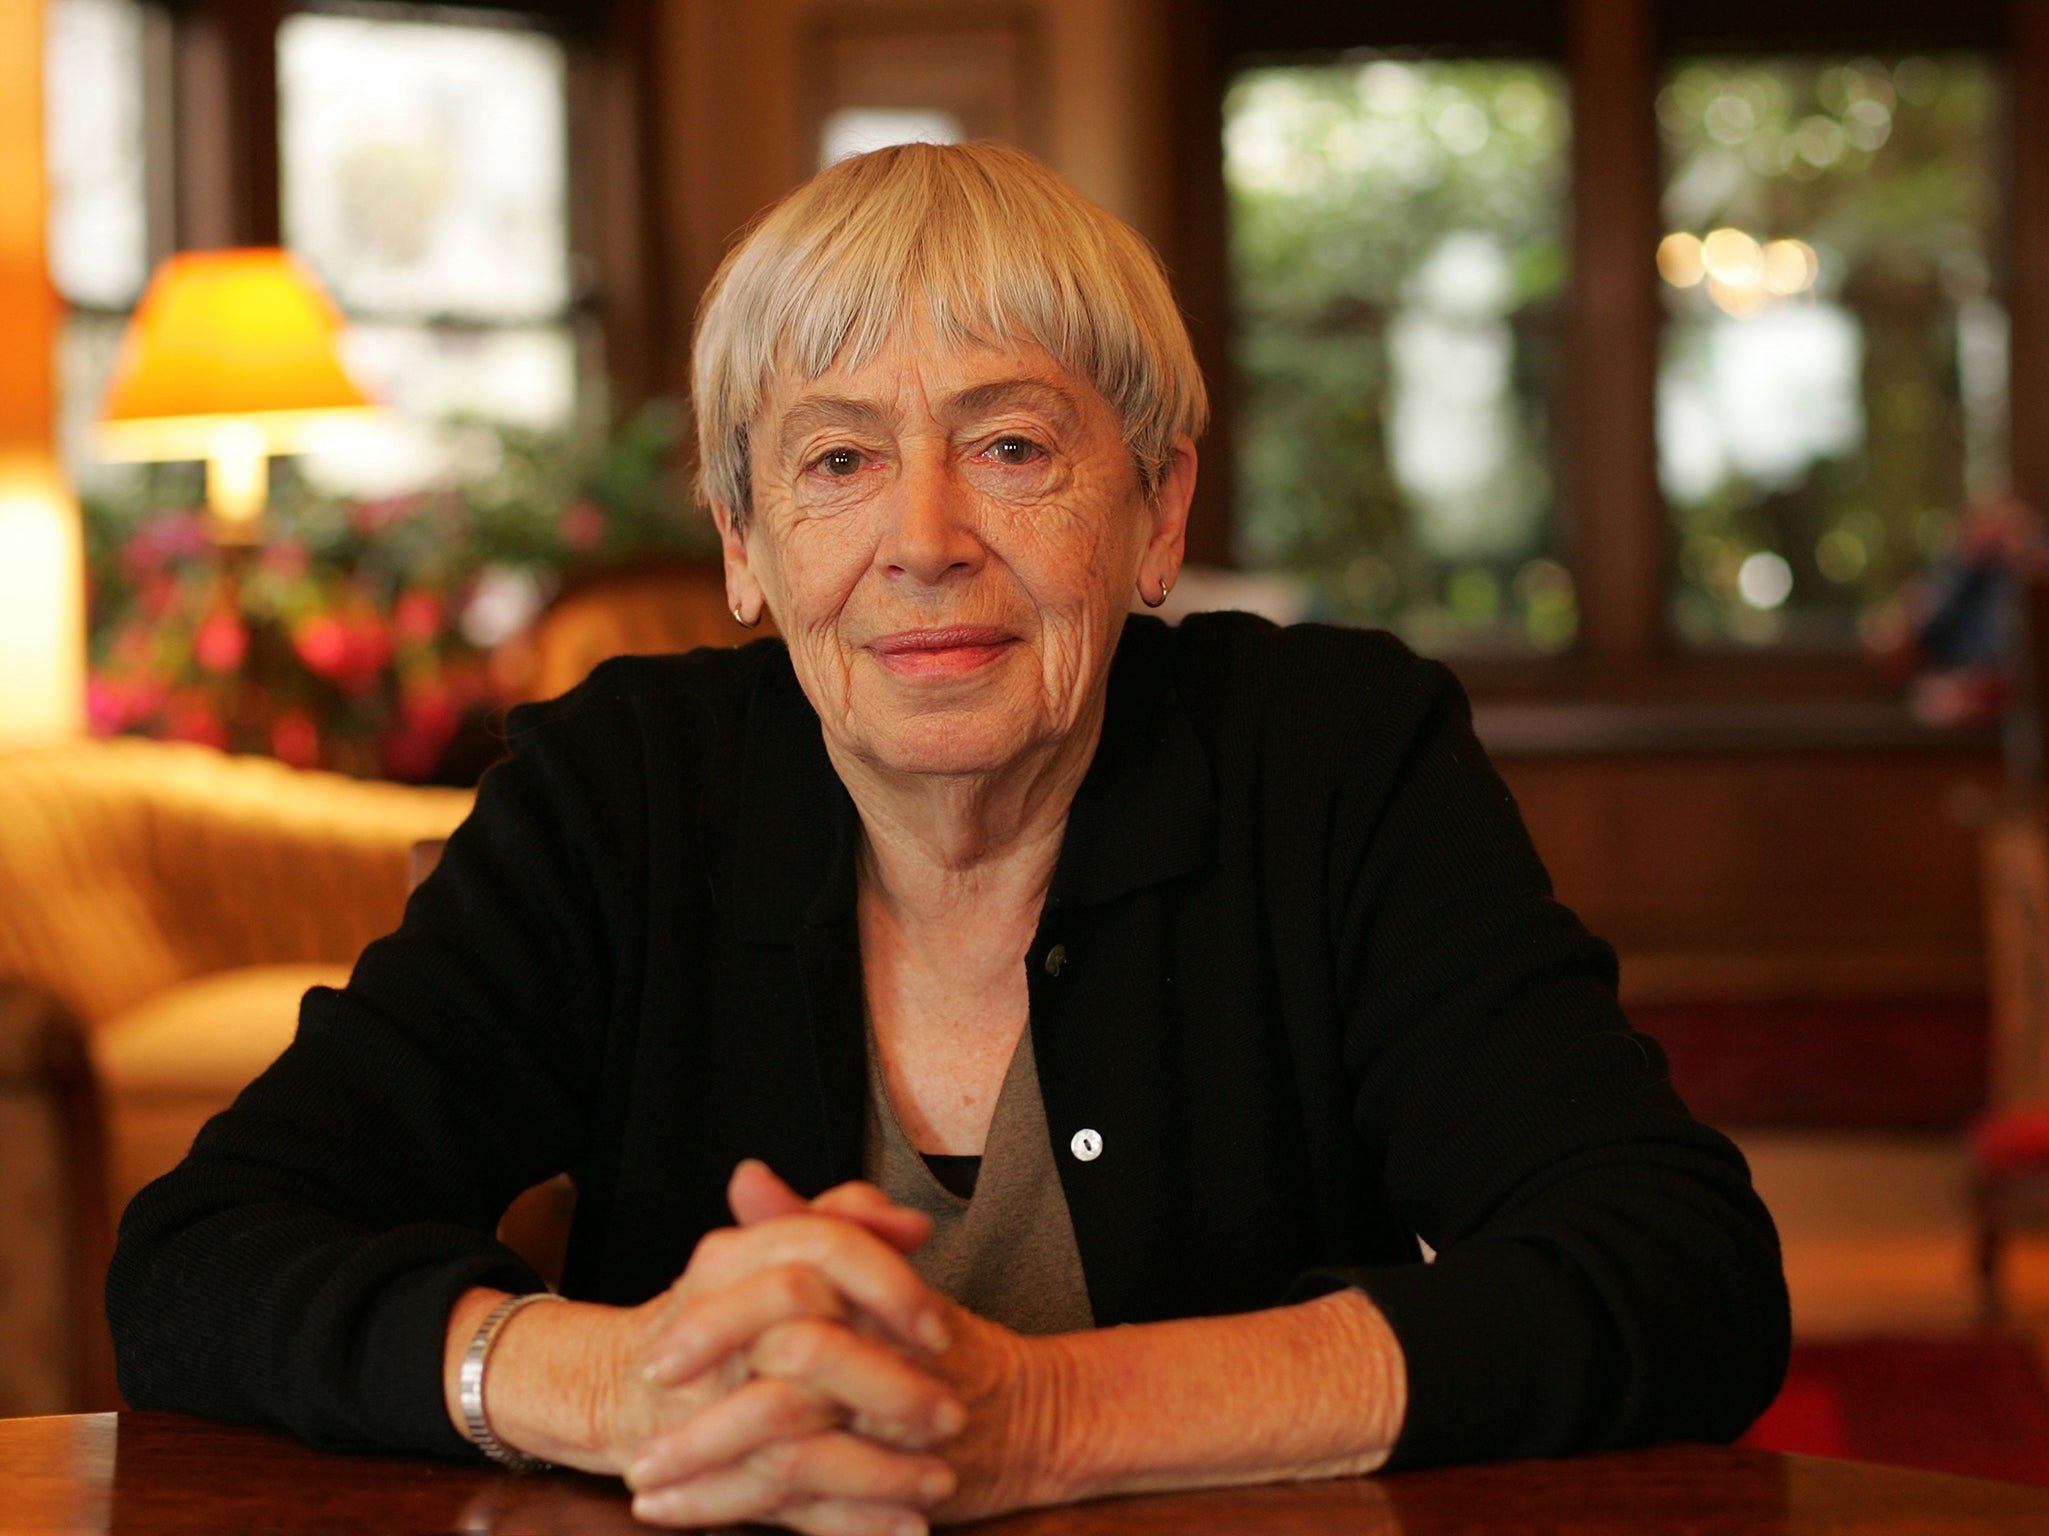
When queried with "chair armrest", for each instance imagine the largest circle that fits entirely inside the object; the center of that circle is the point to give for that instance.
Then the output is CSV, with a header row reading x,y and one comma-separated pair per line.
x,y
46,1070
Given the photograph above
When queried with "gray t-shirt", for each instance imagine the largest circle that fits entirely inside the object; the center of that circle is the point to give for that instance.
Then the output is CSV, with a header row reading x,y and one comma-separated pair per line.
x,y
1008,1253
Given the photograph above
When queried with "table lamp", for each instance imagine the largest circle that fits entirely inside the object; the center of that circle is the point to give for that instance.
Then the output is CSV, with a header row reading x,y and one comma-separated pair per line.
x,y
231,357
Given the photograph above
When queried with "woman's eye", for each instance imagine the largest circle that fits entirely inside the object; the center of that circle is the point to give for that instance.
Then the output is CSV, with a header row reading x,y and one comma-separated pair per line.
x,y
840,462
1014,450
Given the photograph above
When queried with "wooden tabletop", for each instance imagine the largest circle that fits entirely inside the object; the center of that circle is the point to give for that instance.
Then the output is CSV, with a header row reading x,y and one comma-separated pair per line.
x,y
149,1474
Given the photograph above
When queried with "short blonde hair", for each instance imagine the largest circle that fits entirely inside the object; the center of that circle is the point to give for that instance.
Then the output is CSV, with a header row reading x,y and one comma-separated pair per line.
x,y
993,246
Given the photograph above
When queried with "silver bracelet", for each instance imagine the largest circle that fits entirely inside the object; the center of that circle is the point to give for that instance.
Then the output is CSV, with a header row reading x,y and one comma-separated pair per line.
x,y
470,1386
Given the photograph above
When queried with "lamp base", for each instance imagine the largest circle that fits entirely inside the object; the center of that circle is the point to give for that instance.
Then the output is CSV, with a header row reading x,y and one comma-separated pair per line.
x,y
238,532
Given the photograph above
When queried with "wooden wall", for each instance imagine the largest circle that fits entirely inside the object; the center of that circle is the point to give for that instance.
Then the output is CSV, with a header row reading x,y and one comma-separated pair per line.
x,y
732,112
1772,875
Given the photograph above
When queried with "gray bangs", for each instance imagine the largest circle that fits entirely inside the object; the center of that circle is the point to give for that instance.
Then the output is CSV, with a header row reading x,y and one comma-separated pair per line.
x,y
983,243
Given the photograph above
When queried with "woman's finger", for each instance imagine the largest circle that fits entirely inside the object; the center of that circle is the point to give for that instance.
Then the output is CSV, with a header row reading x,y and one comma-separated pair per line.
x,y
863,1375
850,1517
704,1327
867,1271
733,1428
756,1194
903,1229
795,1473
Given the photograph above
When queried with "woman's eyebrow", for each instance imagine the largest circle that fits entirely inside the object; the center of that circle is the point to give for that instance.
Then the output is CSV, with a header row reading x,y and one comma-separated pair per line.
x,y
832,412
1032,394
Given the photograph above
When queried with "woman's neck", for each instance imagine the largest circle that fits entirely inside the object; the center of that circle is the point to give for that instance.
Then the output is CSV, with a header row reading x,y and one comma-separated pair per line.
x,y
938,849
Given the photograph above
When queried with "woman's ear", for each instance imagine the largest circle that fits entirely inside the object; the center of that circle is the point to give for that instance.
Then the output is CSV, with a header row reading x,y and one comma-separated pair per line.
x,y
1168,506
743,589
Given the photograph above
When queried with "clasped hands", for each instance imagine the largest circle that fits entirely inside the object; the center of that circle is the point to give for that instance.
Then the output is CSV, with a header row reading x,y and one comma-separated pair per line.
x,y
801,1373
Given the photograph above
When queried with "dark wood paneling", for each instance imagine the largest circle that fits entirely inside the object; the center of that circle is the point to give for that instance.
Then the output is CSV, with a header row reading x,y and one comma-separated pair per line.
x,y
615,233
1614,517
2028,254
1498,28
1759,875
1854,26
226,112
1504,29
1198,259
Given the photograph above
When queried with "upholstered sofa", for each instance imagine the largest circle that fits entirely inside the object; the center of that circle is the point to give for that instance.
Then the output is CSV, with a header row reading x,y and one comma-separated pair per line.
x,y
162,910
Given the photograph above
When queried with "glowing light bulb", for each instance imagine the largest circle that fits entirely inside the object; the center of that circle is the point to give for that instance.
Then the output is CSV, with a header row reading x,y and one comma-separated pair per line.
x,y
1680,261
1764,580
1790,267
1732,258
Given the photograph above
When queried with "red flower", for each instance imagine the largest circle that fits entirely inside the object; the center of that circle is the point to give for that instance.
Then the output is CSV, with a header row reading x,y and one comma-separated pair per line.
x,y
189,715
417,616
146,695
323,644
106,706
429,716
122,703
134,645
285,560
295,739
367,652
583,526
370,518
162,541
221,642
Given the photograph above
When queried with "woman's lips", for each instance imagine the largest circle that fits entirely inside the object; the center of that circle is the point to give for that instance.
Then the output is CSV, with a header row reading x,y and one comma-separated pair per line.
x,y
952,651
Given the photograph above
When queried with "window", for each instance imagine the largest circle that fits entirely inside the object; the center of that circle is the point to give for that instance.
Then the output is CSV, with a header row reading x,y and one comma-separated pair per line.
x,y
1832,380
1748,363
926,76
423,174
1398,259
424,177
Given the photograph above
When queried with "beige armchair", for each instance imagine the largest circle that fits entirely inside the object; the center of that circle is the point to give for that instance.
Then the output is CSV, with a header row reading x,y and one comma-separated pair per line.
x,y
162,910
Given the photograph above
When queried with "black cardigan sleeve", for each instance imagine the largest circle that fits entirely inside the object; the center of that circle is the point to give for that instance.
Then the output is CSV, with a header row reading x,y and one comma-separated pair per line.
x,y
1605,1275
299,1266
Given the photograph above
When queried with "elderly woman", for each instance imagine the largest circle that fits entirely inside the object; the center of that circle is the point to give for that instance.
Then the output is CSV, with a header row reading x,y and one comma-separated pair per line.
x,y
1007,1053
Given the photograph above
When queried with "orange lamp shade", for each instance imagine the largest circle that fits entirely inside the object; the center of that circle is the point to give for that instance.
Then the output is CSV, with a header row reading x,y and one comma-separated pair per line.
x,y
241,339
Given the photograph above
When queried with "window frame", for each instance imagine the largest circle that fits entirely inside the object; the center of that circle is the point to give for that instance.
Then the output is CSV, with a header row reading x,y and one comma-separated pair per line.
x,y
1613,53
226,168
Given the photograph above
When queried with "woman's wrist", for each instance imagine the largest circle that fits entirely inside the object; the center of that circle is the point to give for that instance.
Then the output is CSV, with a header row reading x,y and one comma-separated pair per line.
x,y
1060,1427
464,1319
1307,1391
551,1386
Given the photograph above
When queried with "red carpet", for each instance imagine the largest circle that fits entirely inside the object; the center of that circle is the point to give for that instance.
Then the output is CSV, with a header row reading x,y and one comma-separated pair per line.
x,y
1974,1406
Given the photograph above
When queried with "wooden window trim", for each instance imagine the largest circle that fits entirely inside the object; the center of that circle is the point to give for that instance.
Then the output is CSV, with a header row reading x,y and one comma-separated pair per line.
x,y
224,86
618,254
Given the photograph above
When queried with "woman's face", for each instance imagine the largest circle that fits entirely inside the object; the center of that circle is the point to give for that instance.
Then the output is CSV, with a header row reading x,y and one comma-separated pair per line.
x,y
948,539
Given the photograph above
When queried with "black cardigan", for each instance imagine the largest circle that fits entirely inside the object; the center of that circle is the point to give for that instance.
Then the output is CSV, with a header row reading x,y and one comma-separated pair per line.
x,y
1313,994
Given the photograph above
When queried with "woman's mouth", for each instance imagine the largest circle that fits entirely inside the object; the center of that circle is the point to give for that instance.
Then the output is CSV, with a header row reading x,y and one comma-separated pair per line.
x,y
951,651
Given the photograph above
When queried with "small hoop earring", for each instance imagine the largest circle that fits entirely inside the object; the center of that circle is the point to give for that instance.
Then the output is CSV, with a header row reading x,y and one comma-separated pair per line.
x,y
743,623
1153,602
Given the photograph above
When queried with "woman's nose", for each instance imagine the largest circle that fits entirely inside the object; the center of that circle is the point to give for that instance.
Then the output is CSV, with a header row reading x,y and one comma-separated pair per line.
x,y
931,533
